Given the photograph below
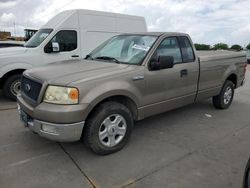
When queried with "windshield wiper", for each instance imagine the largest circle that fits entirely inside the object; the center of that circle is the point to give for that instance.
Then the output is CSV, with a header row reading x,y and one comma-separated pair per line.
x,y
30,46
108,58
88,57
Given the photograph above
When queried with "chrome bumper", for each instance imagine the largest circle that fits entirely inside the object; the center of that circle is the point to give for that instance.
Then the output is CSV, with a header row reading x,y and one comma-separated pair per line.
x,y
57,132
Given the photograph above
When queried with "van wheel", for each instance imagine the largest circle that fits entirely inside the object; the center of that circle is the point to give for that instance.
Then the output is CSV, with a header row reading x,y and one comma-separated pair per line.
x,y
12,86
225,98
109,128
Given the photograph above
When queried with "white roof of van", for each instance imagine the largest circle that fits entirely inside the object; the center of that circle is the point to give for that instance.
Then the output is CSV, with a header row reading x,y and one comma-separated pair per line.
x,y
69,16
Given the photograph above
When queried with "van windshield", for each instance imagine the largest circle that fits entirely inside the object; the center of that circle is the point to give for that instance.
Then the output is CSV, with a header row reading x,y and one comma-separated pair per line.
x,y
127,49
38,38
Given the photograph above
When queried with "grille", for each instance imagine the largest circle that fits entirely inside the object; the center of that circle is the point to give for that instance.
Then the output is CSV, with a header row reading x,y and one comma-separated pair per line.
x,y
30,88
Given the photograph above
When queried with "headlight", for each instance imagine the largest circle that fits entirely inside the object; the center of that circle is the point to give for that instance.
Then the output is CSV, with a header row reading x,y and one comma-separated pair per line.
x,y
61,95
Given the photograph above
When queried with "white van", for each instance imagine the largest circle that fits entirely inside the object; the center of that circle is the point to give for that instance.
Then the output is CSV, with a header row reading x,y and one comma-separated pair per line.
x,y
69,35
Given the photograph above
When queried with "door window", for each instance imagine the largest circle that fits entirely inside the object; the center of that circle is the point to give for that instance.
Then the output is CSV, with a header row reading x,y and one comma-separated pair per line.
x,y
170,47
67,40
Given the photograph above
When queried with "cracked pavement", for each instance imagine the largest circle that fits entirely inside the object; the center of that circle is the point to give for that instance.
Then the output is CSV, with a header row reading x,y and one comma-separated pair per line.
x,y
191,147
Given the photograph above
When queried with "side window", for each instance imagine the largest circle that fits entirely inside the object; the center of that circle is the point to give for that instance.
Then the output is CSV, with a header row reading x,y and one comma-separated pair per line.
x,y
186,49
170,47
67,40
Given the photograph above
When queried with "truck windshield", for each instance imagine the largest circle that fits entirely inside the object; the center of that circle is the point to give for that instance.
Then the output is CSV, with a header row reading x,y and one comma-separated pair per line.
x,y
38,38
127,49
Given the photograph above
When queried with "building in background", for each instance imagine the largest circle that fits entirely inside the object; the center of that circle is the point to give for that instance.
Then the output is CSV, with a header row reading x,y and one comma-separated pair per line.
x,y
5,35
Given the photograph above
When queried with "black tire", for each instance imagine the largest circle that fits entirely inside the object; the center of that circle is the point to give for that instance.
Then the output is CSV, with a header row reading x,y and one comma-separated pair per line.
x,y
246,180
8,87
95,123
218,101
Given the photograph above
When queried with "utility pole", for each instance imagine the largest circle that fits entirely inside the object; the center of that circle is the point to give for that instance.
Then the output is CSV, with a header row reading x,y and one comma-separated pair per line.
x,y
14,28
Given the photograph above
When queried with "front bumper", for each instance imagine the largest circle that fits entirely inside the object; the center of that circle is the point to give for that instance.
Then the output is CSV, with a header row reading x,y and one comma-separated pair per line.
x,y
57,130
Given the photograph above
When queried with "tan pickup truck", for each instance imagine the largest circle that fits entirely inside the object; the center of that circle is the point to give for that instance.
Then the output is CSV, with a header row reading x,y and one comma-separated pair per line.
x,y
127,78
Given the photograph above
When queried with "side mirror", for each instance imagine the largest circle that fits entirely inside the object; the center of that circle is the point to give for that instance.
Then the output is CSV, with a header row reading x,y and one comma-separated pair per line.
x,y
55,47
52,47
164,62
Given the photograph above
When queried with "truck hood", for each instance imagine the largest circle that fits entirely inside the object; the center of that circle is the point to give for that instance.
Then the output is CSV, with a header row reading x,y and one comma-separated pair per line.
x,y
66,72
12,51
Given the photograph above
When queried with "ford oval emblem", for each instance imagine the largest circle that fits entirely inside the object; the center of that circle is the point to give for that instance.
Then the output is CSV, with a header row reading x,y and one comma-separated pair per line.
x,y
27,87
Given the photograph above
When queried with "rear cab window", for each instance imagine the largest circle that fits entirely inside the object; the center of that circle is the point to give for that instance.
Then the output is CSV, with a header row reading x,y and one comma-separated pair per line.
x,y
186,49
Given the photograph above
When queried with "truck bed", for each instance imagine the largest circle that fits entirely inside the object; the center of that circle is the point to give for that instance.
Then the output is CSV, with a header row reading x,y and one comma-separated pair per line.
x,y
207,55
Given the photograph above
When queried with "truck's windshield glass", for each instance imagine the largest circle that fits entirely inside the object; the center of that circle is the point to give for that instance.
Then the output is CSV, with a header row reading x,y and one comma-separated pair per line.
x,y
128,49
38,38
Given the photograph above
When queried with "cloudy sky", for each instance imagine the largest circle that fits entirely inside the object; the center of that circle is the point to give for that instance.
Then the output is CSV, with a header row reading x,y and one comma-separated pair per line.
x,y
207,21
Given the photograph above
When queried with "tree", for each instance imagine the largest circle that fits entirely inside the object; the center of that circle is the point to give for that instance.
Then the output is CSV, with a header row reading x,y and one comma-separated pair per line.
x,y
220,46
202,46
248,46
236,47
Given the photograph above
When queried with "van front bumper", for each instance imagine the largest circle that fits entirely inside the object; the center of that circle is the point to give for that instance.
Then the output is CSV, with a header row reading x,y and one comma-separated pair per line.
x,y
61,131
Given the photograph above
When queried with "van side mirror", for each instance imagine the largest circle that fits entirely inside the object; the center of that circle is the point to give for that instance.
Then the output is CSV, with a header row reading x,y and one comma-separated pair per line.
x,y
55,47
52,47
163,62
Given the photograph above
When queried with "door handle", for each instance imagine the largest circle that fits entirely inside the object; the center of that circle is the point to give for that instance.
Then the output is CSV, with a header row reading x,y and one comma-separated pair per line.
x,y
138,78
75,56
184,72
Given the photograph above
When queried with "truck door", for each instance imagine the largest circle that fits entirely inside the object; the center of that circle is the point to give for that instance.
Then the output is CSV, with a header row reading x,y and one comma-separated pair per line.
x,y
63,46
170,88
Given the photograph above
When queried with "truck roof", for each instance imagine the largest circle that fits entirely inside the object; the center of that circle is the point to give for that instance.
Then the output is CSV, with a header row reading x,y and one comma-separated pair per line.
x,y
157,33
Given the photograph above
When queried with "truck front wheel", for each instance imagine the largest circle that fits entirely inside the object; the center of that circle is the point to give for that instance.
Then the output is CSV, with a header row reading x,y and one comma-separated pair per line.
x,y
109,128
225,98
12,86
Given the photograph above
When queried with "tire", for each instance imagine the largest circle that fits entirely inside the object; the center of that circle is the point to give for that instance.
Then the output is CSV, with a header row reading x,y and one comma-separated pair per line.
x,y
225,98
12,86
246,180
103,123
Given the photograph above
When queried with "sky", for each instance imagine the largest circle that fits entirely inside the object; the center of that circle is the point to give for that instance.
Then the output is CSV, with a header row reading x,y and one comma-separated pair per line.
x,y
207,21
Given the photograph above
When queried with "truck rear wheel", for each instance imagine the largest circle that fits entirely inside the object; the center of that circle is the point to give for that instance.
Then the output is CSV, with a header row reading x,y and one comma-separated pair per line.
x,y
109,128
225,98
12,86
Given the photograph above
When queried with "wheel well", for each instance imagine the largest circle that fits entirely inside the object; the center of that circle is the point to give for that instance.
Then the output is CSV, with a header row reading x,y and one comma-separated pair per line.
x,y
233,78
13,72
129,103
10,73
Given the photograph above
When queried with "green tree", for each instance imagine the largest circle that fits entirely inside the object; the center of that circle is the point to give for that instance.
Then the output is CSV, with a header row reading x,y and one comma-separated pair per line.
x,y
248,46
236,47
202,46
220,46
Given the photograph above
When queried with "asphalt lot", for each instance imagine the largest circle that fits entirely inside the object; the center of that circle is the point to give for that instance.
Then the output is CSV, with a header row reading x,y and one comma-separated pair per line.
x,y
191,147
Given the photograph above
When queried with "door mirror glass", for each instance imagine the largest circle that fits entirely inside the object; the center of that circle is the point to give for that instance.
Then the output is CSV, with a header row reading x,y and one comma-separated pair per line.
x,y
55,47
163,62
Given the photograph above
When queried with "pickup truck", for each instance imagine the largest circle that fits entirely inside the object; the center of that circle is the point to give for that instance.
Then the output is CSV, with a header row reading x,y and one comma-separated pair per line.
x,y
125,79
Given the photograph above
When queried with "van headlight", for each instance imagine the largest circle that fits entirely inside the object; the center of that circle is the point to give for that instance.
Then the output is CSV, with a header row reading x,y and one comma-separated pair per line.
x,y
61,95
